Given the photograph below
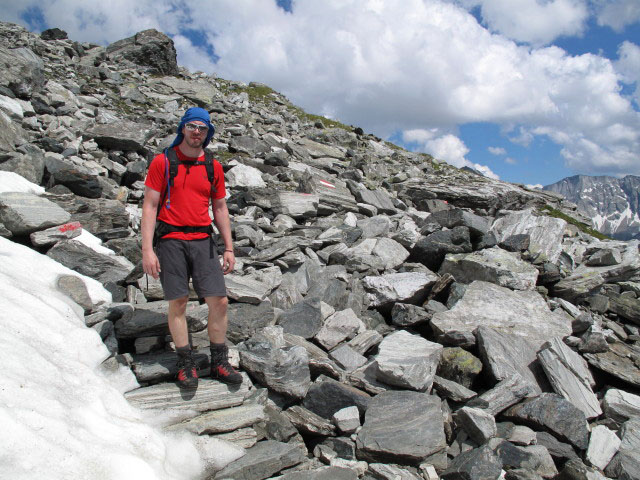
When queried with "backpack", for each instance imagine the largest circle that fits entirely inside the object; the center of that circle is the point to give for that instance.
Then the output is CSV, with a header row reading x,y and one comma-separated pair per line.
x,y
171,170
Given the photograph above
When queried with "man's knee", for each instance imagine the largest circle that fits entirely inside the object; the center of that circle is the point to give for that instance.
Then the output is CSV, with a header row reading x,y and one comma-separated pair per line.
x,y
217,304
178,305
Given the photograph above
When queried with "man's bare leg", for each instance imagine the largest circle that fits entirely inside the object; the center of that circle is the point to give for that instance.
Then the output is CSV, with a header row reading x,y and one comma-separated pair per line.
x,y
217,329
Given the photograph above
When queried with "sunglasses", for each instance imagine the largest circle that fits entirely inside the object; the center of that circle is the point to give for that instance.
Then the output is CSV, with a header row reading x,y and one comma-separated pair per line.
x,y
192,127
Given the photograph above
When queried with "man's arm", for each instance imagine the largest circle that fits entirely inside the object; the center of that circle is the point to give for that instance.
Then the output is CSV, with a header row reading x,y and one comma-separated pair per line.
x,y
223,223
150,262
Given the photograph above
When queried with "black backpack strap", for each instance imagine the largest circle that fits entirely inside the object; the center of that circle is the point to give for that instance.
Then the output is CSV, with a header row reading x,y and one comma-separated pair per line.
x,y
208,163
173,165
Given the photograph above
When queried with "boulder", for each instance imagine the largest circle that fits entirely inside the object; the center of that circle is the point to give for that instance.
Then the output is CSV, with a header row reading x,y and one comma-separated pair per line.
x,y
24,213
150,49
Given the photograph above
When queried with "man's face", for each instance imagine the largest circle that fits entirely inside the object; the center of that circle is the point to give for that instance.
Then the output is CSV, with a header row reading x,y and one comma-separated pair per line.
x,y
195,133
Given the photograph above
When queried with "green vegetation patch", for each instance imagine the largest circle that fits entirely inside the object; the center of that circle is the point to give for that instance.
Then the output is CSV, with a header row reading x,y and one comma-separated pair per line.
x,y
583,227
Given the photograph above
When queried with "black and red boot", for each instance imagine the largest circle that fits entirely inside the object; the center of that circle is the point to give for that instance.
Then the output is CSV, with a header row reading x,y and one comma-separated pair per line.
x,y
220,367
187,376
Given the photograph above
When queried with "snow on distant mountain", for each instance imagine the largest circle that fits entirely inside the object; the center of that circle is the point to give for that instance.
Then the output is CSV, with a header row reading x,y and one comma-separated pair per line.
x,y
612,203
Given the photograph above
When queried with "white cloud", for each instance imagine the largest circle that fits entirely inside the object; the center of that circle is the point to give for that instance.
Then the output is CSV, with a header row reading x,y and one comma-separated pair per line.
x,y
497,150
510,161
628,65
532,21
617,14
537,186
428,65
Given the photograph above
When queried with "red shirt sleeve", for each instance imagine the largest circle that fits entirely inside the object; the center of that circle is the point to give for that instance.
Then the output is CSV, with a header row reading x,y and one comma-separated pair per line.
x,y
157,172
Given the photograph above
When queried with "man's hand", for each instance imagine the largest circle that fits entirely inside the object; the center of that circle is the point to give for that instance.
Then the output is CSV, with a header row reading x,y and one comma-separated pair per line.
x,y
228,262
150,263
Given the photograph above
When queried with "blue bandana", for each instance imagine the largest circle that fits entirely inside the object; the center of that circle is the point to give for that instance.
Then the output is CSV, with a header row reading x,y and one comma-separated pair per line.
x,y
192,114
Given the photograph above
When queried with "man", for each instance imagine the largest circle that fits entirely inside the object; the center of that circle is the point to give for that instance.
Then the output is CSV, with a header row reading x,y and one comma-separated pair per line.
x,y
185,247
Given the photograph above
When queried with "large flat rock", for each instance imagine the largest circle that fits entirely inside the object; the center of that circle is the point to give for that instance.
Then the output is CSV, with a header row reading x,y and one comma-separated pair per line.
x,y
520,313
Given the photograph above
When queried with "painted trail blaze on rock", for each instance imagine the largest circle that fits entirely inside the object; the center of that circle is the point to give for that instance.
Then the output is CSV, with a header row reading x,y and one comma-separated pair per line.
x,y
69,227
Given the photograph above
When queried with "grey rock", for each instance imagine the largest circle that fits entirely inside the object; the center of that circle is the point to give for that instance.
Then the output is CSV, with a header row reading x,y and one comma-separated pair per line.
x,y
618,361
255,287
347,358
249,145
545,232
53,235
282,369
516,243
326,396
75,288
493,265
625,306
308,422
210,395
303,319
224,420
457,217
574,469
246,319
432,249
521,313
123,135
407,287
620,406
150,320
603,257
401,427
479,424
22,71
603,445
365,341
85,260
324,473
552,412
408,361
263,460
559,451
626,463
338,327
569,376
477,464
504,394
534,458
24,213
150,49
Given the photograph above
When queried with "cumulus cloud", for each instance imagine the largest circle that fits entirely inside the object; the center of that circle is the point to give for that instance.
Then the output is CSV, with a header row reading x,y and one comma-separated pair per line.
x,y
532,21
617,14
628,65
510,161
428,66
497,150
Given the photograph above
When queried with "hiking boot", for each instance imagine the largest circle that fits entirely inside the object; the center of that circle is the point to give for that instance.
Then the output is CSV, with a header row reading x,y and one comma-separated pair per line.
x,y
187,376
220,367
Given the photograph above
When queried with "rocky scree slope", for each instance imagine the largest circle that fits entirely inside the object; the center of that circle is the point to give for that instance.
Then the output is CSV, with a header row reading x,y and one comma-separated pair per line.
x,y
394,317
611,203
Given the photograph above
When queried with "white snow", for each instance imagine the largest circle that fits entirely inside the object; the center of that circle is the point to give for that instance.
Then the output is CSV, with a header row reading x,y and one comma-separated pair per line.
x,y
62,416
12,182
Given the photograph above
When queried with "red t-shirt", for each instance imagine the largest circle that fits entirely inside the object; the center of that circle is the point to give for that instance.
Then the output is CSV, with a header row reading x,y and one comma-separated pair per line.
x,y
188,199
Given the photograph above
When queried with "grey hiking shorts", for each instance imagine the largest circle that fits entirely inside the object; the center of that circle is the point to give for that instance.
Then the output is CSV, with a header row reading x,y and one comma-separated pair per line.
x,y
195,259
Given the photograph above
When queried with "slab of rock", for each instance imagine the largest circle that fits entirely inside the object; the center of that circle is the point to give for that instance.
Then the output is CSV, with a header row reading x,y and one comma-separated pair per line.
x,y
85,260
479,424
23,71
401,427
476,464
626,463
451,390
222,421
347,420
53,235
504,355
456,217
123,135
23,213
365,341
210,395
263,460
150,320
493,265
518,313
569,376
150,49
280,368
532,458
408,361
339,327
308,422
620,406
254,287
603,445
304,319
347,358
326,396
618,361
431,250
460,366
154,368
245,319
552,412
406,287
545,233
506,393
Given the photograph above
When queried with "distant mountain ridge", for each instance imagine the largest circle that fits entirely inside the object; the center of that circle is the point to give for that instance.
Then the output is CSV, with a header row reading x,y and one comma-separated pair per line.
x,y
612,203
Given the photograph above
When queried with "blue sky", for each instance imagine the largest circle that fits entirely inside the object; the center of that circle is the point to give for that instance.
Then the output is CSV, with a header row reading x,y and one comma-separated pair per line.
x,y
529,91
